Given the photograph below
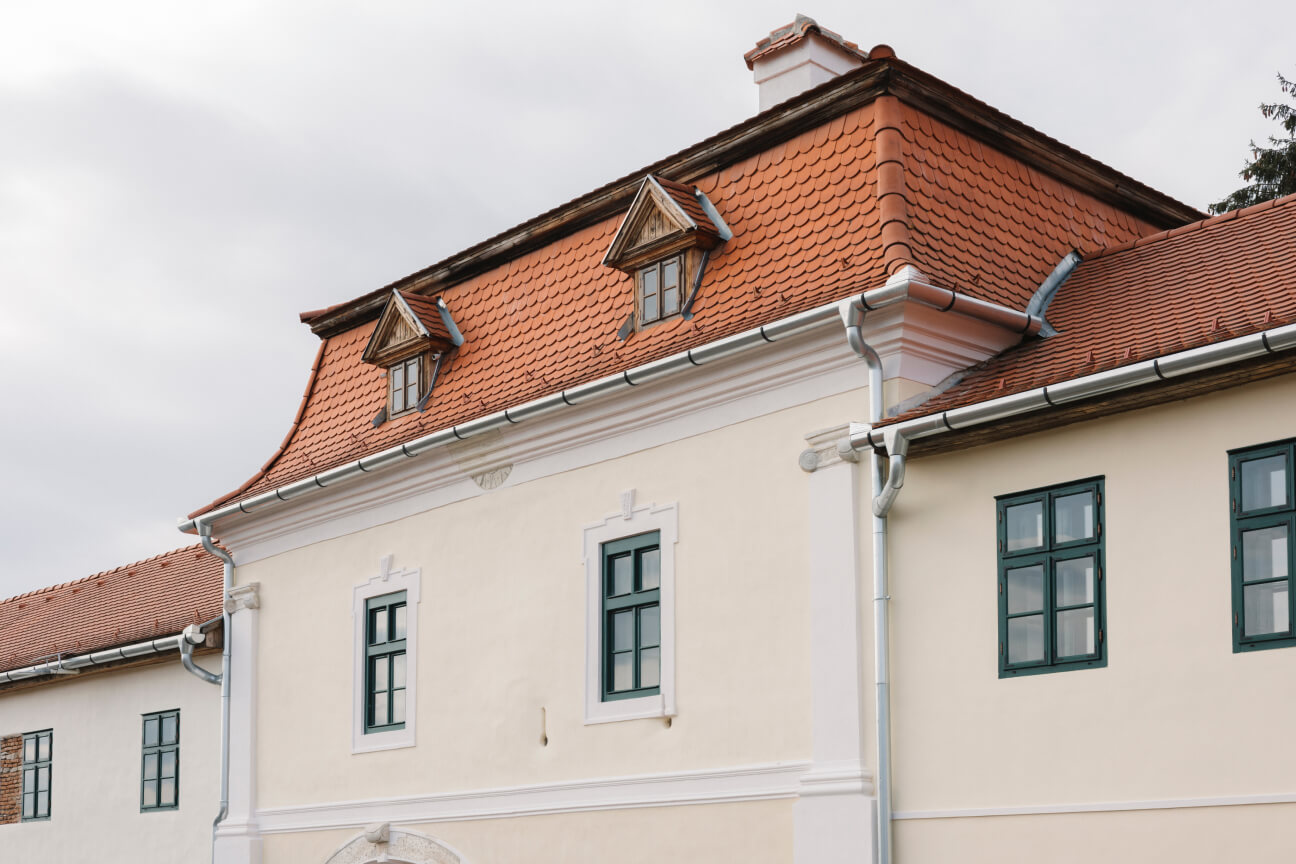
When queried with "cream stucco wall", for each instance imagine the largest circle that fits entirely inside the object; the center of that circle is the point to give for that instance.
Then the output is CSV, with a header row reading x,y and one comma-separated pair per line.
x,y
1175,714
502,627
95,786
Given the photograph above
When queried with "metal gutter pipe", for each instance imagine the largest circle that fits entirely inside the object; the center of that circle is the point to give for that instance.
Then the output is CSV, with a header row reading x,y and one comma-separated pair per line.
x,y
1268,342
883,492
192,636
903,286
227,582
98,658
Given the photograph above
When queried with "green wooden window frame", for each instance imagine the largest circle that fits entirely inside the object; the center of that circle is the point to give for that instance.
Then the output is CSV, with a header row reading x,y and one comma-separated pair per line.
x,y
630,632
37,772
386,627
160,761
1262,523
1051,579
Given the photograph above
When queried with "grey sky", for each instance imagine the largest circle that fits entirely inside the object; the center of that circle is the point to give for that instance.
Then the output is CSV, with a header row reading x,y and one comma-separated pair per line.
x,y
179,180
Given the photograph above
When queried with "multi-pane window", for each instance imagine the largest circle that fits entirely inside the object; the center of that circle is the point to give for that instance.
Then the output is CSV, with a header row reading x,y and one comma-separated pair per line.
x,y
1263,518
1051,607
38,755
160,771
385,630
631,637
403,385
660,288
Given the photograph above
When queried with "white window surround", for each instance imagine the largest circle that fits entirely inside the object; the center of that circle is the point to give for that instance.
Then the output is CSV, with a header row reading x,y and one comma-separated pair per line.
x,y
388,581
628,522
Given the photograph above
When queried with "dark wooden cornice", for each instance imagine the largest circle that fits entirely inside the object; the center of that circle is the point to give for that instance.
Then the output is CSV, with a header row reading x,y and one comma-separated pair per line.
x,y
768,129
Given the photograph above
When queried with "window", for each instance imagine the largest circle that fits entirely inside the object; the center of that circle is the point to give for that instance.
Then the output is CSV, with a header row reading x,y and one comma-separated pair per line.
x,y
404,382
385,663
38,753
660,289
1051,606
160,772
630,622
1262,513
631,635
385,702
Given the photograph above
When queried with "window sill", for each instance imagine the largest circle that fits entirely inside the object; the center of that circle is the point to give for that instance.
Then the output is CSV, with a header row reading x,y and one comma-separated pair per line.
x,y
641,708
396,739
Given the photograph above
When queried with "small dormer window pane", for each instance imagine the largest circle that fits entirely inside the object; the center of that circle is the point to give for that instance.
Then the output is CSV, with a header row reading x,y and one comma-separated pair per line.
x,y
411,382
648,293
670,287
405,379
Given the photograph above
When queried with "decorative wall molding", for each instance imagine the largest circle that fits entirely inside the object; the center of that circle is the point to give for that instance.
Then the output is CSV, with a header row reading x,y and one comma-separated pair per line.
x,y
1100,807
382,843
243,597
726,785
828,447
387,581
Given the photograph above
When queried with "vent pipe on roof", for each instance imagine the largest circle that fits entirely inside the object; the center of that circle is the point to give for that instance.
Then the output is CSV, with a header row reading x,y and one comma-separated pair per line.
x,y
798,56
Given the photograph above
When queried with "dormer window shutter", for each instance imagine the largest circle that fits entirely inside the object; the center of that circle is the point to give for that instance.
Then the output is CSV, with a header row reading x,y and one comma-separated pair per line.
x,y
410,331
661,243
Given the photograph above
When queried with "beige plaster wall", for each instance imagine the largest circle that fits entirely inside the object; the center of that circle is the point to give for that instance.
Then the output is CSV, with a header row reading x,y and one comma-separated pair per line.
x,y
502,627
1175,714
758,832
95,772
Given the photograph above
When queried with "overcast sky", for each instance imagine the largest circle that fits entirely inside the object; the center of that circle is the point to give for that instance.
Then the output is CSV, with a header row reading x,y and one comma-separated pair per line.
x,y
178,180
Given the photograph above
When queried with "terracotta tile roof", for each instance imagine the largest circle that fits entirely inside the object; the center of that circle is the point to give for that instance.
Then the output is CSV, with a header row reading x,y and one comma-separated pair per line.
x,y
1220,278
428,313
790,34
807,230
688,202
146,600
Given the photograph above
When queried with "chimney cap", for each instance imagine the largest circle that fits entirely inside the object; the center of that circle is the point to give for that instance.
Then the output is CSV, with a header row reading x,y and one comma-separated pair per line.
x,y
790,34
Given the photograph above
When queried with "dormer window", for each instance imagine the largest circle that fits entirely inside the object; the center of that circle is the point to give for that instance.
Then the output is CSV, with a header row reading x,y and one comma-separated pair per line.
x,y
411,332
660,289
663,242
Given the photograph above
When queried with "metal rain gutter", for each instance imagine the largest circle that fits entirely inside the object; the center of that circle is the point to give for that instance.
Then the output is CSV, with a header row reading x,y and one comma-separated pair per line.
x,y
906,284
99,658
227,582
1268,342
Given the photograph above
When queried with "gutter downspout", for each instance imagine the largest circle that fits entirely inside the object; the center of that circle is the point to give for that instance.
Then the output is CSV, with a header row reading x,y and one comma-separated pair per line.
x,y
227,582
884,493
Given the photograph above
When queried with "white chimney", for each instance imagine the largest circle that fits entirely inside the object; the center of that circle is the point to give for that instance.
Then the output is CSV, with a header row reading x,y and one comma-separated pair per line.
x,y
797,57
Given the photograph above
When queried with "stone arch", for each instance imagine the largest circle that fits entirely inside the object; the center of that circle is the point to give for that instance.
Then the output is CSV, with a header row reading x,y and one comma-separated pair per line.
x,y
398,847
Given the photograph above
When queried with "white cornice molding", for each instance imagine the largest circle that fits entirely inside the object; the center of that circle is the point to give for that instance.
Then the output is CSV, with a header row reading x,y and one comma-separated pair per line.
x,y
1100,807
726,785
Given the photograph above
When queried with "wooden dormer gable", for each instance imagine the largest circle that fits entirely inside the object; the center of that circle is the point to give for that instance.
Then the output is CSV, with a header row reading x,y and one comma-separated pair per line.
x,y
410,325
665,218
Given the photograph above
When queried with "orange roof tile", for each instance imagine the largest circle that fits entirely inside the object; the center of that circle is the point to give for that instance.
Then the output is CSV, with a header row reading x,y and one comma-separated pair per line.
x,y
430,316
1212,280
807,230
149,599
790,34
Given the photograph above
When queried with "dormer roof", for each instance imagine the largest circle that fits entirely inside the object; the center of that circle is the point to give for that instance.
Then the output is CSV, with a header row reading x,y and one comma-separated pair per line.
x,y
664,218
408,325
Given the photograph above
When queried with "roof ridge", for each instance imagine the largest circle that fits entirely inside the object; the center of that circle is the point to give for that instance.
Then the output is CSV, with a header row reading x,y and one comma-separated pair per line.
x,y
1206,224
102,573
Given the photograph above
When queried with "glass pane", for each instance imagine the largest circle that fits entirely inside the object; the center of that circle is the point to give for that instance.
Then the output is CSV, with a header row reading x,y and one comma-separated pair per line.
x,y
1264,483
411,394
379,673
1026,639
398,670
29,750
167,796
43,747
29,805
380,709
149,798
1025,526
42,778
649,626
151,732
1073,517
650,308
398,379
398,706
670,273
1075,632
170,729
168,763
623,671
622,575
649,569
378,626
1264,553
670,301
1025,589
42,804
650,667
29,780
648,283
1265,608
398,625
670,287
623,631
150,766
1075,582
